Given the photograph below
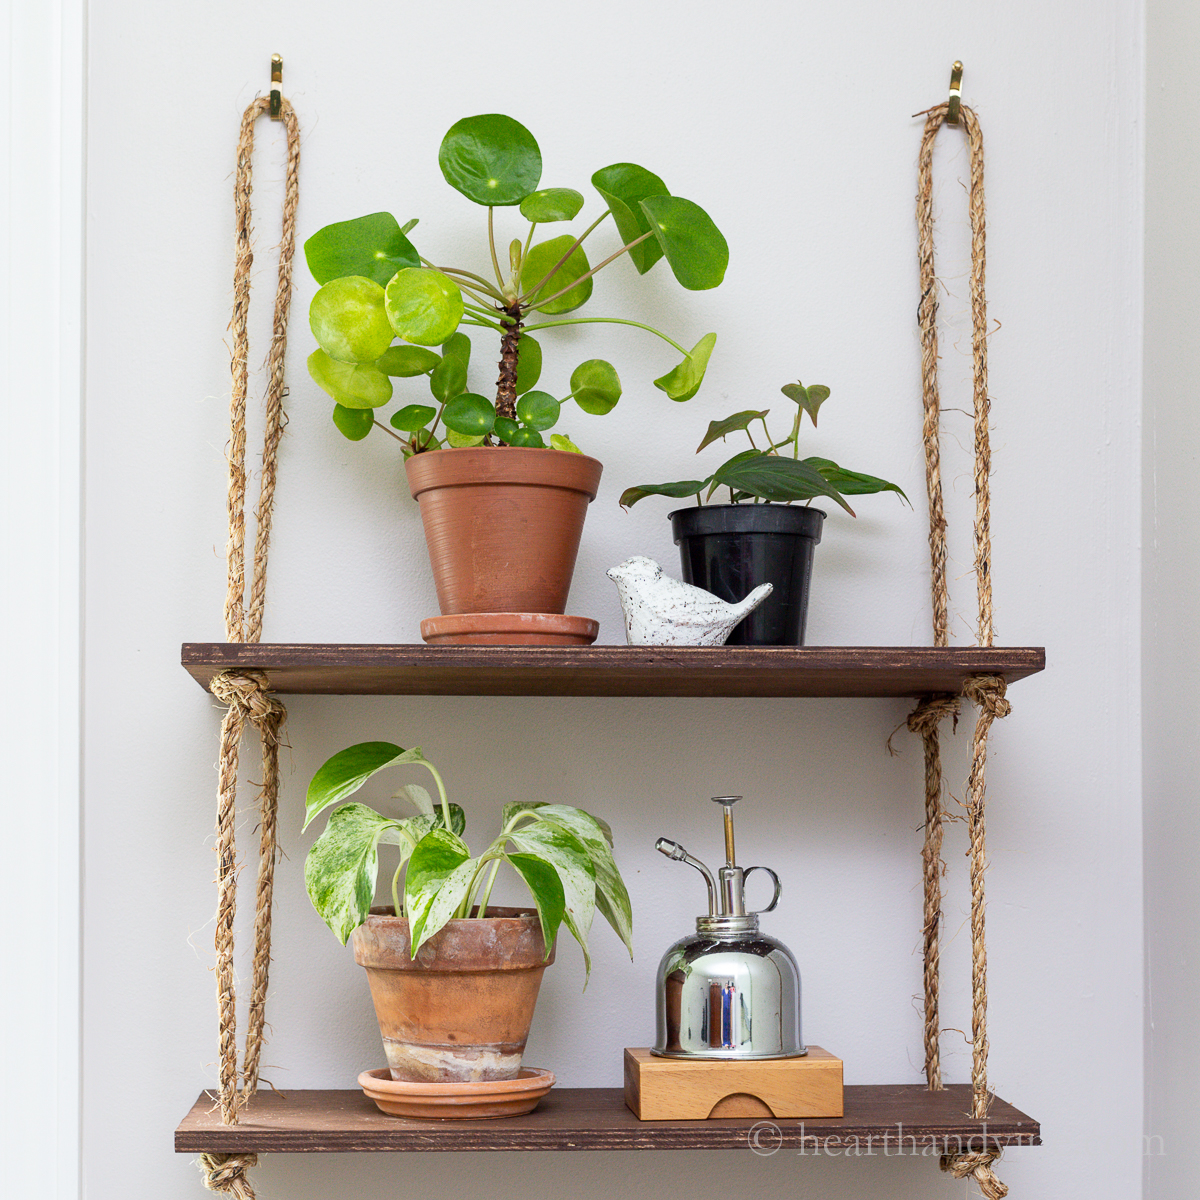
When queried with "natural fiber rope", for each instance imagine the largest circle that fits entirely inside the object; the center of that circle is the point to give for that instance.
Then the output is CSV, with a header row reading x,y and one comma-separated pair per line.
x,y
986,692
246,694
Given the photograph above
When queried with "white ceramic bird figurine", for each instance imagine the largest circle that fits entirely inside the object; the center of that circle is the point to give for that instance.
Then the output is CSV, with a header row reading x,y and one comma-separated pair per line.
x,y
661,611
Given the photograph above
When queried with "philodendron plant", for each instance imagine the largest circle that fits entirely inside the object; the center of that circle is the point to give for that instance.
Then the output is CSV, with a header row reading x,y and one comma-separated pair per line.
x,y
383,308
763,473
563,854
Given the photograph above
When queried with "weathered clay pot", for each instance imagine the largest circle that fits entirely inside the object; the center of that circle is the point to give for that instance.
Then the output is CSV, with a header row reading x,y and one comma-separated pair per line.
x,y
502,524
460,1012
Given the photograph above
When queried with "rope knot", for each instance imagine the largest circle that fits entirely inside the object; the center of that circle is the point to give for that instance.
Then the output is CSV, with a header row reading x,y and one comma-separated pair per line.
x,y
979,1167
931,712
987,693
247,691
227,1173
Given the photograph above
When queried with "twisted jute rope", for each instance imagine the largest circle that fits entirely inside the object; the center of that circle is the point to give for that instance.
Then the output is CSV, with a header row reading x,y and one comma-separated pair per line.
x,y
986,692
245,693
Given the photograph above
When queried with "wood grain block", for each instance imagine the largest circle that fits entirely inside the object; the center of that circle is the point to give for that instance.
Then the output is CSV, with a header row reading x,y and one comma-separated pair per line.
x,y
674,1089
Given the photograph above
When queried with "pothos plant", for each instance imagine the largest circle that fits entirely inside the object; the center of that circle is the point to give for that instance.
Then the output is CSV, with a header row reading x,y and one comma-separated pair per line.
x,y
764,473
563,854
382,306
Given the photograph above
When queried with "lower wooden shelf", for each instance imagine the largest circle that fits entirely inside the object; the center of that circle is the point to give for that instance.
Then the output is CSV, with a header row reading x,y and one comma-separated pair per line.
x,y
884,1119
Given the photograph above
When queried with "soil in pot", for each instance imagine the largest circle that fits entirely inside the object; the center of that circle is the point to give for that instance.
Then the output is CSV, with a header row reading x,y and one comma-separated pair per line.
x,y
502,524
461,1010
729,549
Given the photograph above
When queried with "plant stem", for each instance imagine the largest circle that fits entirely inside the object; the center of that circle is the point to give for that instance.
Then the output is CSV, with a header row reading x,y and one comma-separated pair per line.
x,y
492,246
608,321
525,252
381,425
487,891
506,382
396,905
570,250
482,323
588,274
485,284
441,787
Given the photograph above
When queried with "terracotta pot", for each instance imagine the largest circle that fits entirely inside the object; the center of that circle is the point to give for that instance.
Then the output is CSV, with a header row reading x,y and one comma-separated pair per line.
x,y
461,1011
502,524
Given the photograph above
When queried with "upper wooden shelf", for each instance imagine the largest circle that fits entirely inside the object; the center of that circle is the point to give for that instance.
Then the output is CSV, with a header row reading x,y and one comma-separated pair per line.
x,y
415,670
900,1119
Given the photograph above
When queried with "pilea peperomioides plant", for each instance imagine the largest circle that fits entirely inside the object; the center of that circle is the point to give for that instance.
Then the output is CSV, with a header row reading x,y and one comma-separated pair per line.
x,y
563,854
763,473
382,307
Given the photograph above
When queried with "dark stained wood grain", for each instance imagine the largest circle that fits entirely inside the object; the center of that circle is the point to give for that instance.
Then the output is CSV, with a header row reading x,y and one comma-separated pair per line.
x,y
415,670
899,1119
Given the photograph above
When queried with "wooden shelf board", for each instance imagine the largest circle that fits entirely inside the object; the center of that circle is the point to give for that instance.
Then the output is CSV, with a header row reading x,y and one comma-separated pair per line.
x,y
416,670
899,1119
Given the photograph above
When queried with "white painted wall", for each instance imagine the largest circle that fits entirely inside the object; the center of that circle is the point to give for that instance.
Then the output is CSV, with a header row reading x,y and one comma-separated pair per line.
x,y
1170,578
792,127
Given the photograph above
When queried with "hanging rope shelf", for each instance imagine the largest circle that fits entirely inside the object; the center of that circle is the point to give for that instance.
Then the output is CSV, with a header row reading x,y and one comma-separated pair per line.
x,y
245,676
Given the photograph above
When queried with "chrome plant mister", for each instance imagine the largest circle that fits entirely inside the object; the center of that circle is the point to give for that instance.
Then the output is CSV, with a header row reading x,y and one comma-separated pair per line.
x,y
728,991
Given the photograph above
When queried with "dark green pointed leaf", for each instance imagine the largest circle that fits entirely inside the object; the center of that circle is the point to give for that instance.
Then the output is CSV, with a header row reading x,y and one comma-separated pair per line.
x,y
551,204
491,159
538,409
348,320
547,890
470,414
683,382
424,306
529,364
560,441
440,862
770,477
719,429
570,859
406,361
542,259
448,379
810,399
853,483
412,417
624,186
344,773
596,386
506,429
354,423
693,246
677,491
373,246
351,385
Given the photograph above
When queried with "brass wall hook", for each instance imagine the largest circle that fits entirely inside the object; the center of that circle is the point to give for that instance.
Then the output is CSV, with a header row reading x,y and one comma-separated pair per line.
x,y
955,102
277,87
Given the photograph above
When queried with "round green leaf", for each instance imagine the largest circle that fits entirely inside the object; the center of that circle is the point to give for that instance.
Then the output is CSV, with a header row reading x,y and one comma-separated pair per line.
x,y
458,345
693,245
551,204
373,246
449,379
526,435
623,187
529,363
354,423
596,386
491,159
470,414
348,320
683,382
424,306
560,441
406,361
462,440
413,417
542,259
351,385
506,429
538,409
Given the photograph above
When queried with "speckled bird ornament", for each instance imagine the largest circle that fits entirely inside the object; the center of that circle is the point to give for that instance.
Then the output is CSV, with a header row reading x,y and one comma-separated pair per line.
x,y
661,611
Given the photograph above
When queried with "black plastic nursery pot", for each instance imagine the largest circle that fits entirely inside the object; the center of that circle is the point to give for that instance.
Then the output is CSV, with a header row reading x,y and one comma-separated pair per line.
x,y
729,549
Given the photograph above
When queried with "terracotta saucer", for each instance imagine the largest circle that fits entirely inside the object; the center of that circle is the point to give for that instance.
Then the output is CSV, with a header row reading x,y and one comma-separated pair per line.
x,y
456,1101
509,629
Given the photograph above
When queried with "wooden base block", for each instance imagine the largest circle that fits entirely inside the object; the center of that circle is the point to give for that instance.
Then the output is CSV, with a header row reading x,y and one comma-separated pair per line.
x,y
675,1089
